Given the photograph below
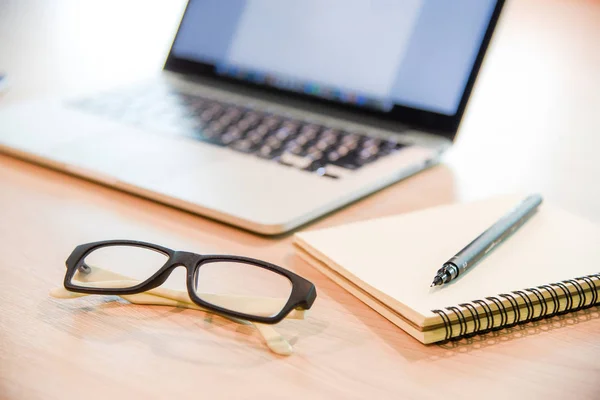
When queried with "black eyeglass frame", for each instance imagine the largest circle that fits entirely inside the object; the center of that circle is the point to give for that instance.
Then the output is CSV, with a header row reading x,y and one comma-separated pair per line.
x,y
302,296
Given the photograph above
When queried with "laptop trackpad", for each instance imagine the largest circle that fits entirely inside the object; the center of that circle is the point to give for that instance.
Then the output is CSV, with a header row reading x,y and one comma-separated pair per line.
x,y
252,189
141,159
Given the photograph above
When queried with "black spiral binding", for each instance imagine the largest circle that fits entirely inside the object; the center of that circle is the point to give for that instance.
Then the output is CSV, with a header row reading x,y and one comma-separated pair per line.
x,y
586,287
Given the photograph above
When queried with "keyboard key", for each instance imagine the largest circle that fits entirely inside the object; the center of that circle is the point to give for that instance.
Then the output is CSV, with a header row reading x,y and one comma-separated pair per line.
x,y
368,154
231,135
310,131
247,123
263,129
323,145
336,171
294,160
291,125
273,142
252,117
255,136
234,113
342,150
372,142
302,140
208,115
350,137
333,156
265,151
215,129
331,135
268,152
271,122
295,148
283,133
314,155
244,145
230,116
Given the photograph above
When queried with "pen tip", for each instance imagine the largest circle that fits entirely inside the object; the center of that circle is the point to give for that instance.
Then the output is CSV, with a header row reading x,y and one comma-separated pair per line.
x,y
436,281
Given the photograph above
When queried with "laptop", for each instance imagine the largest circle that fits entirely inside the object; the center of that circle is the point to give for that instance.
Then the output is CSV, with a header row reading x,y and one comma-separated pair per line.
x,y
268,115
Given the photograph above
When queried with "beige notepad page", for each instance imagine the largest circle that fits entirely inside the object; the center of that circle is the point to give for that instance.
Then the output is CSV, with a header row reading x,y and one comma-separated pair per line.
x,y
389,263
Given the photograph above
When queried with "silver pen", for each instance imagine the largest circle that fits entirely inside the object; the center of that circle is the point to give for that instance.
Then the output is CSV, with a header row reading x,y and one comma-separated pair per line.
x,y
488,240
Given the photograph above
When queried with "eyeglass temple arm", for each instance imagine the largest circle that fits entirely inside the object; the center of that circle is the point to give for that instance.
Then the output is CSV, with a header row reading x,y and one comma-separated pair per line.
x,y
169,297
276,343
162,296
100,279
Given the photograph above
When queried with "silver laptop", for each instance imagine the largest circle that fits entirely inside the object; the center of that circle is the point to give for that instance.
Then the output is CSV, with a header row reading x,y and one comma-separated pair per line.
x,y
270,114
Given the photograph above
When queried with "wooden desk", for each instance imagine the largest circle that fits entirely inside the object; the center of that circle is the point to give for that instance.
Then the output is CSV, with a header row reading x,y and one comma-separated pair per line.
x,y
532,125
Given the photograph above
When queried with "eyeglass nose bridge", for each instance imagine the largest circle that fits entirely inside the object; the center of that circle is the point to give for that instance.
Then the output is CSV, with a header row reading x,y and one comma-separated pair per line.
x,y
184,258
178,259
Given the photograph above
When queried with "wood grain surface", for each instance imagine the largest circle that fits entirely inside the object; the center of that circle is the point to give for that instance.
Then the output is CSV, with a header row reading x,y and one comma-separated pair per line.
x,y
532,125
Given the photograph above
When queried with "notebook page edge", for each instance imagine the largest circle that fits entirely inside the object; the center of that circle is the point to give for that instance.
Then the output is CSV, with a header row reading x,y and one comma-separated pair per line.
x,y
398,307
363,296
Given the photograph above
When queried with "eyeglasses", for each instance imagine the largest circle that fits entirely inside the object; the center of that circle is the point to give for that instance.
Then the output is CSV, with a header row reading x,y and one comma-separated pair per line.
x,y
237,287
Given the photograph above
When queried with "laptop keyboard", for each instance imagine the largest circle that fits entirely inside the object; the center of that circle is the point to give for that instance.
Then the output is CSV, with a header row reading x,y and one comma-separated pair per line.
x,y
309,146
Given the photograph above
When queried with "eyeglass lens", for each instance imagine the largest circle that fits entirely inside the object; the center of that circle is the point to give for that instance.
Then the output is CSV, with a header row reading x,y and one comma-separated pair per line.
x,y
113,267
242,287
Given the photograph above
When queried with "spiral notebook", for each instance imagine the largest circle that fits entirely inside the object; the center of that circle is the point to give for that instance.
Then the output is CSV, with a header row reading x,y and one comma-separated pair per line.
x,y
549,266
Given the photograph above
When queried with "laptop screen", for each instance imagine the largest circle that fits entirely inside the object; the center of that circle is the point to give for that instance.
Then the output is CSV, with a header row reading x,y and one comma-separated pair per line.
x,y
375,54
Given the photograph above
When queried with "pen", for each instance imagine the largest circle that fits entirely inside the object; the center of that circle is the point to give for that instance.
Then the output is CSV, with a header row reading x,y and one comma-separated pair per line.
x,y
484,243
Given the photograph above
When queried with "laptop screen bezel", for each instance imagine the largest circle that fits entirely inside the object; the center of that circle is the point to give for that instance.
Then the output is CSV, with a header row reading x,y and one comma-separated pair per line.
x,y
440,124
